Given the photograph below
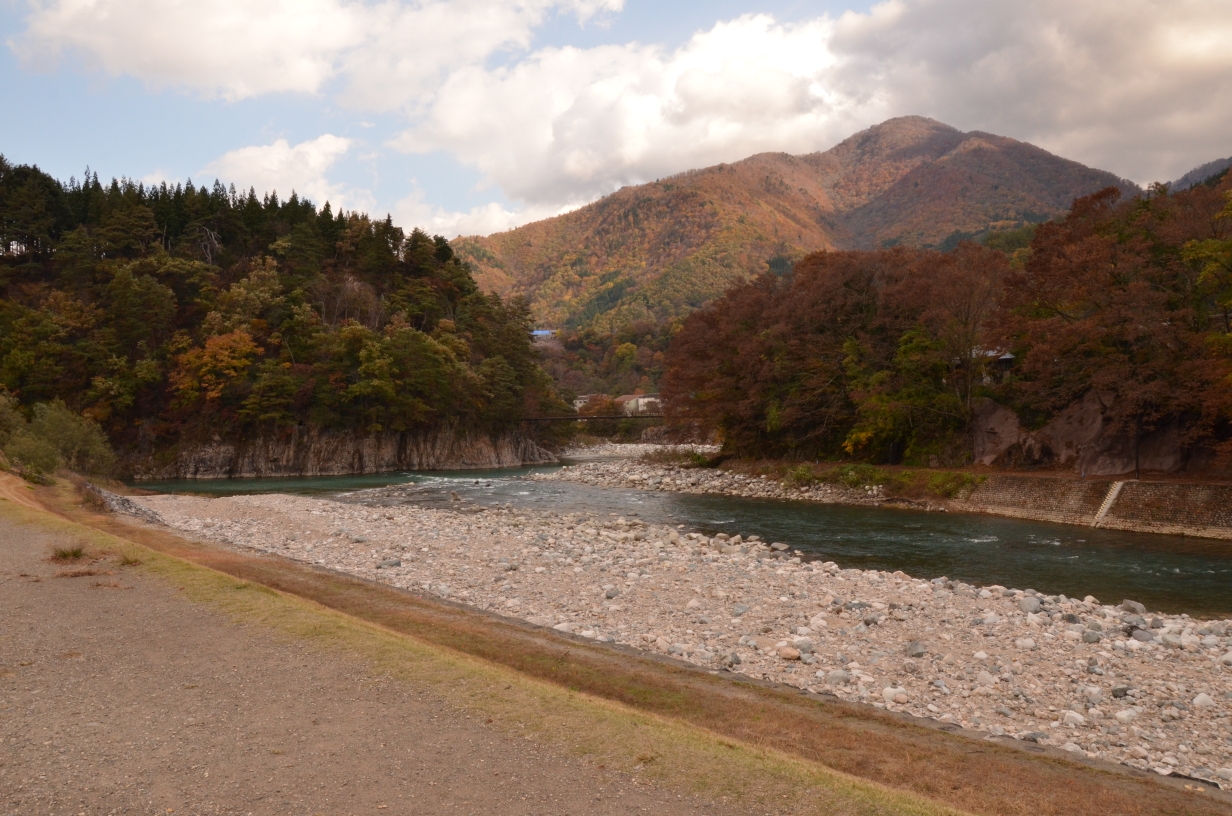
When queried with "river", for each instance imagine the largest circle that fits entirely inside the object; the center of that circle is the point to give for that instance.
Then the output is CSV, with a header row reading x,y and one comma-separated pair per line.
x,y
1168,573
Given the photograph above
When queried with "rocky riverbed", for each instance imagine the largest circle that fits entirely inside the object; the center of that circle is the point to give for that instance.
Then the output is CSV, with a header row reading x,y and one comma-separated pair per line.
x,y
630,450
1110,680
649,476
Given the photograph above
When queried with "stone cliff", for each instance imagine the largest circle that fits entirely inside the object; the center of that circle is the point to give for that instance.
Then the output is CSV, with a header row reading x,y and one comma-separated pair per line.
x,y
1080,438
306,451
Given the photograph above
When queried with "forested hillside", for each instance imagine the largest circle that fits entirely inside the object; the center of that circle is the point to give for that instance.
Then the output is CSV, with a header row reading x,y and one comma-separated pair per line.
x,y
658,251
890,355
172,315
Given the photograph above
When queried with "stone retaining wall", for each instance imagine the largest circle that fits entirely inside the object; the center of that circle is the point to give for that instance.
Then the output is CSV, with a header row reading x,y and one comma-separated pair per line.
x,y
1203,511
1175,509
1068,501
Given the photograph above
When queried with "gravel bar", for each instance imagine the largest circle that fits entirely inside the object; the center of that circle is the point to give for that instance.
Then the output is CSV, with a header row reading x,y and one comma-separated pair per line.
x,y
644,476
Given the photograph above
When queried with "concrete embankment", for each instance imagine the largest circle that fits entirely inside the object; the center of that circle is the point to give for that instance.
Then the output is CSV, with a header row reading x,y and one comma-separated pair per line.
x,y
1149,507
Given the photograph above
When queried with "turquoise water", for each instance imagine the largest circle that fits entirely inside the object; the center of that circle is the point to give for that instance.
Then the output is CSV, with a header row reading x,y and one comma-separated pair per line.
x,y
1167,573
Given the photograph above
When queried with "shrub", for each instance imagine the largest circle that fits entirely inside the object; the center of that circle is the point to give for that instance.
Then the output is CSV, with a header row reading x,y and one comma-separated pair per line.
x,y
11,420
857,475
56,437
31,453
80,442
950,484
799,476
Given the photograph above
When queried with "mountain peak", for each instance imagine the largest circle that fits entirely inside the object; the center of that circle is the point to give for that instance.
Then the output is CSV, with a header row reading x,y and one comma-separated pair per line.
x,y
903,129
659,250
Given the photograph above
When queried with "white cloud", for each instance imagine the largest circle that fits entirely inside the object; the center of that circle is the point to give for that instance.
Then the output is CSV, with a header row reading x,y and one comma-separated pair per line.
x,y
410,48
1133,86
287,168
157,177
233,48
389,51
416,211
568,124
1138,87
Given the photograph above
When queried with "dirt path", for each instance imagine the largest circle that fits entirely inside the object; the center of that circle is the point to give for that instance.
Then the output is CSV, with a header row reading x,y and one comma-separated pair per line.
x,y
17,491
118,696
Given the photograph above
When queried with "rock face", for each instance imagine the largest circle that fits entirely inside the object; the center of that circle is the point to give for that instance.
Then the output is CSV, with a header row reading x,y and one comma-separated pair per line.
x,y
1081,438
308,451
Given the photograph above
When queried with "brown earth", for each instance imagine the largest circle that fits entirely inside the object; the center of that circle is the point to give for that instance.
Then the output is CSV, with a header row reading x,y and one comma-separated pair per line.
x,y
118,695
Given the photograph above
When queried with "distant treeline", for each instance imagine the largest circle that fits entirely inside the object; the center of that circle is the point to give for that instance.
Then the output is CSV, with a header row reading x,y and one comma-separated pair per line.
x,y
884,356
176,314
590,361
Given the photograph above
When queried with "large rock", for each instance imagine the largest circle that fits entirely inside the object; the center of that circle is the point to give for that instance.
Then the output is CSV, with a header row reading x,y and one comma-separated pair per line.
x,y
1080,437
307,451
1073,718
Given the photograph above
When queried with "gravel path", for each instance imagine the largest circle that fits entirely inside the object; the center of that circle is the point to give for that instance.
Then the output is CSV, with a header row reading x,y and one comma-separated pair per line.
x,y
118,696
1112,681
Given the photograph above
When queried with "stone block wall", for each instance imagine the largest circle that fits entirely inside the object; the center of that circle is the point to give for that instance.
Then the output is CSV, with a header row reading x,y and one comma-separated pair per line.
x,y
1203,511
1068,501
1176,509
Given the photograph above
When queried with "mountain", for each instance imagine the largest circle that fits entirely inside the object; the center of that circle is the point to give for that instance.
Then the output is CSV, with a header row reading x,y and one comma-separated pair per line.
x,y
1200,174
659,250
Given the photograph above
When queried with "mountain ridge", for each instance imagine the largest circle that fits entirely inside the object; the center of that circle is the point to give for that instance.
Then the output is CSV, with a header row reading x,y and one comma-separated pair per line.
x,y
659,250
1200,174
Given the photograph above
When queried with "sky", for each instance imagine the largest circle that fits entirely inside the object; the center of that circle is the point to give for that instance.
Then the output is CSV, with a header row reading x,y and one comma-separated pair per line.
x,y
475,116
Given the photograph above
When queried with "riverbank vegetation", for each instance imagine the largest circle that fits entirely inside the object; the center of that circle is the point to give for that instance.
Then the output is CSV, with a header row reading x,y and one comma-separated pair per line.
x,y
173,314
885,356
54,437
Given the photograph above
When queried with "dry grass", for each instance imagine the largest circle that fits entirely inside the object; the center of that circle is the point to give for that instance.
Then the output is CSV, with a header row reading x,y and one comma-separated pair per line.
x,y
722,737
81,573
72,553
898,481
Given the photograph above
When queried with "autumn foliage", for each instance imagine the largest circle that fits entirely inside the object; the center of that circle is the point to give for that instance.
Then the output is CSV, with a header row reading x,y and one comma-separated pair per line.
x,y
872,354
654,252
174,314
885,355
1115,300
